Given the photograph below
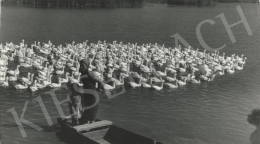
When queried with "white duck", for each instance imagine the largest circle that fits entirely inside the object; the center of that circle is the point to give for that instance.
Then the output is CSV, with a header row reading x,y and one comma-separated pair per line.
x,y
170,85
118,82
134,85
73,80
182,82
231,71
109,87
162,73
55,85
13,72
66,79
158,87
20,86
23,79
146,85
26,64
14,77
47,81
5,83
60,72
171,79
34,86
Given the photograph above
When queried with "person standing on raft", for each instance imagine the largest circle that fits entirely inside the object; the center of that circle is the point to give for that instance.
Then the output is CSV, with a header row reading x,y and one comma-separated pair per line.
x,y
89,82
254,119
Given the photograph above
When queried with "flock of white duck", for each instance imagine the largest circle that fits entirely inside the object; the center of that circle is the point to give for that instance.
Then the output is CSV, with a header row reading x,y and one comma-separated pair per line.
x,y
109,61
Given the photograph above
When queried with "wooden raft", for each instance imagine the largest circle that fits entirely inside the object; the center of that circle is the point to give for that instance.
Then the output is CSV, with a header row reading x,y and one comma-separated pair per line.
x,y
85,134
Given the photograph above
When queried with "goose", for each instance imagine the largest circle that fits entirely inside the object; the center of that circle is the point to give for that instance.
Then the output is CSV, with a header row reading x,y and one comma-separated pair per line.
x,y
231,71
118,82
2,73
243,62
26,64
146,85
73,80
3,69
20,86
11,58
40,67
238,67
182,82
2,78
158,87
40,83
211,78
134,85
14,77
55,85
222,72
171,79
170,85
135,74
60,72
23,79
12,72
66,79
59,65
47,81
76,73
193,80
183,70
109,87
42,77
171,70
162,73
5,83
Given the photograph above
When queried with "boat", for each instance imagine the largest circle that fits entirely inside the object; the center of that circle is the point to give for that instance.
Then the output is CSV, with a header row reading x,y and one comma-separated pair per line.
x,y
100,132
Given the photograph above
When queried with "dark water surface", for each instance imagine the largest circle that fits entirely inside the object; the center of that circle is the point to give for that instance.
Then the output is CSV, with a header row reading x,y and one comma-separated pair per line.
x,y
208,113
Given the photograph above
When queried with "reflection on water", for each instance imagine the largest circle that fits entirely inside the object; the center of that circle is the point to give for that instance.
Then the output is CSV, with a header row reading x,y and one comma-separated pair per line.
x,y
210,113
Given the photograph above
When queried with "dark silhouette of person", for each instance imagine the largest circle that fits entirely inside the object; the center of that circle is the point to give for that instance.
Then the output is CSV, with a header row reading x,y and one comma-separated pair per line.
x,y
254,119
89,82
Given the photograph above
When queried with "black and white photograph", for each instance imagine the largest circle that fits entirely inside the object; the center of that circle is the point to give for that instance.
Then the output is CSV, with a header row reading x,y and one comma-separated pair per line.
x,y
129,71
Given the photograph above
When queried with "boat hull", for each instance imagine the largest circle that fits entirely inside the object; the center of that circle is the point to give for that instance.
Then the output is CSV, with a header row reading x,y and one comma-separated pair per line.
x,y
103,134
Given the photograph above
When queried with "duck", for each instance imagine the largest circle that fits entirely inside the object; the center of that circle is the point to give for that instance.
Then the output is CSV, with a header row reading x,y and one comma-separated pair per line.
x,y
20,86
193,80
26,64
171,79
222,72
34,86
11,58
146,85
60,72
13,72
14,77
109,87
55,85
40,83
162,73
118,82
182,82
158,87
238,67
66,79
170,85
2,73
5,83
134,85
231,71
3,69
73,80
47,81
